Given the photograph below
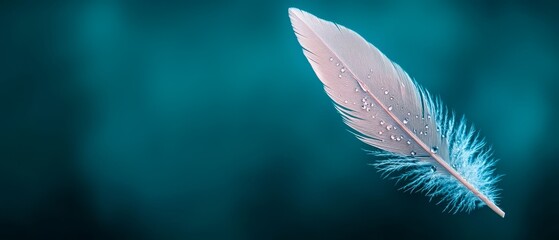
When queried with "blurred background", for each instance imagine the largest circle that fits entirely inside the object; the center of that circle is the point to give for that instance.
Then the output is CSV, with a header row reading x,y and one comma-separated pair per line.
x,y
203,120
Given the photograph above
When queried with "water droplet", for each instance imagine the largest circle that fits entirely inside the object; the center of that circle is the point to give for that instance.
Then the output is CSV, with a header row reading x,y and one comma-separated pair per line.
x,y
385,92
390,108
342,70
408,142
433,169
398,139
369,76
443,136
391,98
409,113
392,137
428,116
395,127
369,109
340,76
372,104
426,126
406,121
356,89
345,101
421,133
364,99
373,115
453,165
416,116
380,132
438,129
434,149
414,131
389,127
363,87
381,122
413,153
371,70
337,64
364,106
331,59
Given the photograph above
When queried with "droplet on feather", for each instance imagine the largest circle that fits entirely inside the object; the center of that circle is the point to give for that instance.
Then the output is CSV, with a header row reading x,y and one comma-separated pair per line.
x,y
390,108
413,153
342,70
331,59
434,149
362,86
406,121
433,169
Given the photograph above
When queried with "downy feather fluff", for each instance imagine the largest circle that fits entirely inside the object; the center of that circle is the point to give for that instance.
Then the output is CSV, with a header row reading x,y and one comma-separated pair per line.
x,y
422,145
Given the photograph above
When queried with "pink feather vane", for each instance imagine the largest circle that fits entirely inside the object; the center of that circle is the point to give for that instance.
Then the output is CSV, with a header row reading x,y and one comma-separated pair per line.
x,y
419,141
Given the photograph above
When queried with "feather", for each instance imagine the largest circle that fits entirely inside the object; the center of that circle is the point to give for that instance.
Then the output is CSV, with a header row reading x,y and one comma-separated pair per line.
x,y
419,141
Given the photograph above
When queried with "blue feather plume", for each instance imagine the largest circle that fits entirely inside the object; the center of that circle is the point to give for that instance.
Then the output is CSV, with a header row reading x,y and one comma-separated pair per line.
x,y
422,145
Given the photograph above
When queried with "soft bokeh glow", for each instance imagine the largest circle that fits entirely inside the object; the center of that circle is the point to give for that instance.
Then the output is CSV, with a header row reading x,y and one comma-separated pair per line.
x,y
182,120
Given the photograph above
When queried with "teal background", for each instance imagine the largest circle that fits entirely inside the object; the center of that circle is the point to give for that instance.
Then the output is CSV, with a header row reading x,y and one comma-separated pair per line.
x,y
203,120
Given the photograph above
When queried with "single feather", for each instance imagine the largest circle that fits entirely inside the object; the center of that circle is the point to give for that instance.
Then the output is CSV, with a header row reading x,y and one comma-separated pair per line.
x,y
422,144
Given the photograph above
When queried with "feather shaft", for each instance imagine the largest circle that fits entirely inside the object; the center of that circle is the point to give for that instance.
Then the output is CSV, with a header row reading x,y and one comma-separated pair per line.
x,y
460,171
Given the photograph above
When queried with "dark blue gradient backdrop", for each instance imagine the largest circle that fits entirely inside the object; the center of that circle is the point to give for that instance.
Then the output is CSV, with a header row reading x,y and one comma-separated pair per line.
x,y
203,120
